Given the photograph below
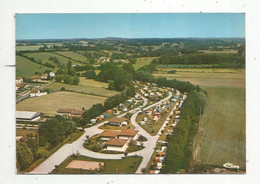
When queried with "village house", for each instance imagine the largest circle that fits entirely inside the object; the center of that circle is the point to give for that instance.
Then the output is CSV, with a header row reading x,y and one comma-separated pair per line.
x,y
128,134
117,144
108,134
44,76
118,121
52,74
19,80
34,92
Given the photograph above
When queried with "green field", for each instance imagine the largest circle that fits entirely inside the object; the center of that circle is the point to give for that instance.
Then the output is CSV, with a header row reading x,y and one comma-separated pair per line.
x,y
91,90
50,103
126,165
221,137
90,82
73,55
27,68
143,61
44,57
207,77
28,47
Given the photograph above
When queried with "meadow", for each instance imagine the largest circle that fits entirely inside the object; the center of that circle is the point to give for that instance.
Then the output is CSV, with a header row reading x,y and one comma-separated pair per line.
x,y
28,47
44,57
221,136
207,77
27,68
143,61
73,55
49,104
88,89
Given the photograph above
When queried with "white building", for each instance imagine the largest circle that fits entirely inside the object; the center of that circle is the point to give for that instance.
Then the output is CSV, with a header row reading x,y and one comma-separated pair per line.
x,y
27,116
117,144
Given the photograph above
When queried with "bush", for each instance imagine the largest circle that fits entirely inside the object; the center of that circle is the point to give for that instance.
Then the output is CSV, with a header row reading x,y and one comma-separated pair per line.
x,y
41,153
62,89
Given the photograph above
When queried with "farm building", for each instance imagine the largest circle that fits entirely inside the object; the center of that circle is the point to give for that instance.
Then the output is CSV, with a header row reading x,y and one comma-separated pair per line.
x,y
108,134
35,92
128,134
76,113
117,144
118,121
70,113
27,116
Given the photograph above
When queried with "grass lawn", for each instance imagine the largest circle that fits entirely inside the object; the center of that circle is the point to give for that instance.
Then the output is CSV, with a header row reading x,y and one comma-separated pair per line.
x,y
73,55
143,61
126,165
221,136
94,143
44,57
27,68
133,148
52,102
151,126
111,127
91,90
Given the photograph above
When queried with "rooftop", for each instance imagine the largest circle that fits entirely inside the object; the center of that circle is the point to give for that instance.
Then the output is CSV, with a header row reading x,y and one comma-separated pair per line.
x,y
118,120
116,142
129,133
109,133
26,114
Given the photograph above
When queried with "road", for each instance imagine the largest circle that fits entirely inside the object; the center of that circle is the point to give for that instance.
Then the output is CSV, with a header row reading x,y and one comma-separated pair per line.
x,y
77,146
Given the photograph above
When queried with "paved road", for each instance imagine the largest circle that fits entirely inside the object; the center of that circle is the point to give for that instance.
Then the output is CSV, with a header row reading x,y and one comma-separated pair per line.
x,y
77,147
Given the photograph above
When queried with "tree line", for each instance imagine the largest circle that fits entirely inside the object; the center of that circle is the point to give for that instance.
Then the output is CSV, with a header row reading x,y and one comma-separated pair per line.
x,y
110,102
221,60
180,147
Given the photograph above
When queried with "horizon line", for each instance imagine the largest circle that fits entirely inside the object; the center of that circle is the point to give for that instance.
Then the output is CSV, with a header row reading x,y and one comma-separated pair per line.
x,y
23,39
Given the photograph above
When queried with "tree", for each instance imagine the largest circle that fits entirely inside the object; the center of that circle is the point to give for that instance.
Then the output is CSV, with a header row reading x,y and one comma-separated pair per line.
x,y
111,85
75,80
24,155
69,64
67,79
58,78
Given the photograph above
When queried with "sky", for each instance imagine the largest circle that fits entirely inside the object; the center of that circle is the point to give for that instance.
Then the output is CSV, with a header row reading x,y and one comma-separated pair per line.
x,y
130,25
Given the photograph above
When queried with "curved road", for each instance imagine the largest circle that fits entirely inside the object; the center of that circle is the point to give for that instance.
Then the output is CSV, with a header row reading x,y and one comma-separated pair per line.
x,y
77,146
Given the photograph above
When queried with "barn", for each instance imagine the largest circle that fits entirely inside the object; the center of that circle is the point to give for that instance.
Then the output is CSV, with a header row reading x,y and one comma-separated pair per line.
x,y
27,116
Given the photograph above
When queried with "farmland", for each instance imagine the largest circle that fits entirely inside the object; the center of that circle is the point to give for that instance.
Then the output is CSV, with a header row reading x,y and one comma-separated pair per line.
x,y
143,61
221,136
91,82
50,103
28,47
88,89
208,77
44,57
73,55
27,68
